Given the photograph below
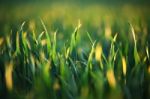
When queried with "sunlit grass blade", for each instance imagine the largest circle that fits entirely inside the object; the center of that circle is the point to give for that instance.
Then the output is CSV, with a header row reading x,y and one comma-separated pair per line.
x,y
113,52
136,55
54,55
147,53
124,66
133,34
22,25
98,54
33,65
24,41
8,41
112,49
9,75
17,44
47,37
40,36
111,78
19,39
90,58
67,53
74,37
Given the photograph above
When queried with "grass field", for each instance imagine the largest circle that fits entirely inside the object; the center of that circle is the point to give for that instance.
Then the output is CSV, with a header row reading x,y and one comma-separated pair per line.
x,y
68,51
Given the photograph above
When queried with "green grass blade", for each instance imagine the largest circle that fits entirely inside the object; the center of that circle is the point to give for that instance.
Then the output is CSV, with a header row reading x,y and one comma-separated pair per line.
x,y
54,55
90,38
47,37
136,55
90,58
147,53
74,38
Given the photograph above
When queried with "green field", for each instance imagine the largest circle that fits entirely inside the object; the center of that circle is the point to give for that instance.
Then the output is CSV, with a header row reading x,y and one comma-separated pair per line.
x,y
74,51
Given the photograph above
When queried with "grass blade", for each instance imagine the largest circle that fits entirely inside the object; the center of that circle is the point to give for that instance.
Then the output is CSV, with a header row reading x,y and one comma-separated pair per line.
x,y
47,38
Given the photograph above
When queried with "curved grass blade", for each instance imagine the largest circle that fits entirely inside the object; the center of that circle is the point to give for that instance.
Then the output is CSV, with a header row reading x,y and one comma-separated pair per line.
x,y
47,38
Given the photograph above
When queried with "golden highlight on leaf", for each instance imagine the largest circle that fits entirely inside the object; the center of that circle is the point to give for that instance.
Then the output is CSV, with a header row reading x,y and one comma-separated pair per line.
x,y
133,33
84,92
8,75
149,69
115,37
67,53
98,52
17,43
79,24
32,25
56,85
124,66
43,42
147,52
1,41
111,78
107,31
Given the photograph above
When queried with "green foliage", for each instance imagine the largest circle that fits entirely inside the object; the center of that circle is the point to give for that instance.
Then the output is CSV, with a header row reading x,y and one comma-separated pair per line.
x,y
45,66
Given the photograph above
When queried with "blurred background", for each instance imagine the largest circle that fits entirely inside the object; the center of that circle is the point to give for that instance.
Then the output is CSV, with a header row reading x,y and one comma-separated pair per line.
x,y
101,18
